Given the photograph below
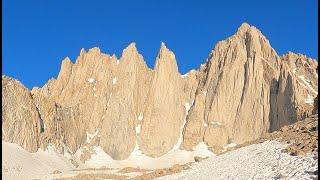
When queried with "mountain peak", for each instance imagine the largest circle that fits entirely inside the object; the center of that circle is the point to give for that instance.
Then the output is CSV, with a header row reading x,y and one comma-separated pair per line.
x,y
82,51
66,60
166,57
244,27
131,47
94,50
164,51
163,45
131,54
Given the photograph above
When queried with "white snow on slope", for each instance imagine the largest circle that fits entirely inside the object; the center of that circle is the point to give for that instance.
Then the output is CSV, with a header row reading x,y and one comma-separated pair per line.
x,y
178,144
309,100
91,136
114,80
202,150
91,80
215,123
306,84
17,163
140,117
229,145
187,106
257,161
184,75
138,129
138,159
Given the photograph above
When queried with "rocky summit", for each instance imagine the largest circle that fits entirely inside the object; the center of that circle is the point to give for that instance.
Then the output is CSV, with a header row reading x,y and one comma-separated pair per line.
x,y
120,107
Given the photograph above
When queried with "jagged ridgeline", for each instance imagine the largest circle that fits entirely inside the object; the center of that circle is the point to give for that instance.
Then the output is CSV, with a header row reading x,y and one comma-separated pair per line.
x,y
244,90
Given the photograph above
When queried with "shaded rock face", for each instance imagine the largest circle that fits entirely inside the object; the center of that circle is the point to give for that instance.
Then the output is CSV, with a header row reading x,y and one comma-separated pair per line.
x,y
304,71
315,107
243,91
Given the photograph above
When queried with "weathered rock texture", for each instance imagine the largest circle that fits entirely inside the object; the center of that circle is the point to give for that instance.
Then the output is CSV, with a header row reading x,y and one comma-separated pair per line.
x,y
21,123
243,91
246,90
164,109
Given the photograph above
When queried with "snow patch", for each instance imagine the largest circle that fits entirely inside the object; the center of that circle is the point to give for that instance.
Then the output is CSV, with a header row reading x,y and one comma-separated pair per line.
x,y
309,100
205,124
306,84
138,159
187,106
18,163
91,80
140,117
91,136
229,145
138,129
185,75
215,123
202,150
205,93
178,144
136,151
114,80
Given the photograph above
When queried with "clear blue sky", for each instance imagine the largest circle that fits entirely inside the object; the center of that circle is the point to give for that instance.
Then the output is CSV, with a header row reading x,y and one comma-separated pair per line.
x,y
38,34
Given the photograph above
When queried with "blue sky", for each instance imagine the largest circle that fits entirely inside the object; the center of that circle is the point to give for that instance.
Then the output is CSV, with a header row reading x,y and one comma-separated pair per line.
x,y
38,34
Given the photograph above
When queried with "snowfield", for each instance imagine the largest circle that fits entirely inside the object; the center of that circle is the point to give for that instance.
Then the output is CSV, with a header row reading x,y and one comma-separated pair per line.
x,y
17,163
140,160
257,161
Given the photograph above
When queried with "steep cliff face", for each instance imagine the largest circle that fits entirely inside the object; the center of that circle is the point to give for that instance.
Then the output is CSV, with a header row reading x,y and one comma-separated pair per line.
x,y
234,91
242,91
99,95
165,107
130,89
246,90
304,71
21,123
296,90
